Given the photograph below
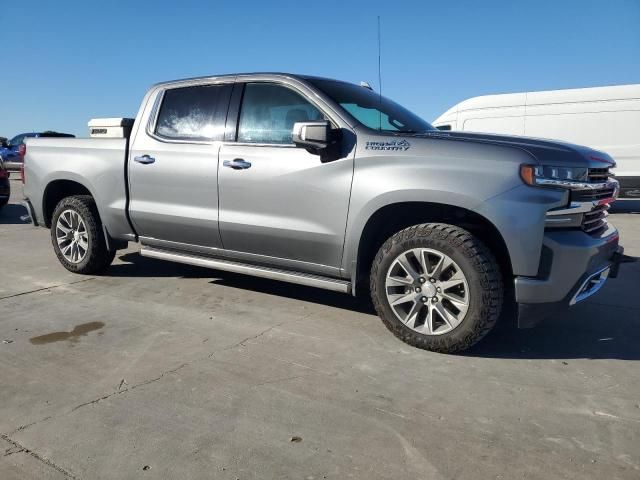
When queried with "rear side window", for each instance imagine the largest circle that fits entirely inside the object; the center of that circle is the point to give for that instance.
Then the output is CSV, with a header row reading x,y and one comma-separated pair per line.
x,y
269,111
193,113
444,127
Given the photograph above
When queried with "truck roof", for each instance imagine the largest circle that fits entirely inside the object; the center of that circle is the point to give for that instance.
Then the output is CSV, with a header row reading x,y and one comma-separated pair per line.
x,y
266,75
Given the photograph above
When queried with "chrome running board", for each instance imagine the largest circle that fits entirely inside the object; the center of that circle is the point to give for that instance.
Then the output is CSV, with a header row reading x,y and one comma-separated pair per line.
x,y
254,270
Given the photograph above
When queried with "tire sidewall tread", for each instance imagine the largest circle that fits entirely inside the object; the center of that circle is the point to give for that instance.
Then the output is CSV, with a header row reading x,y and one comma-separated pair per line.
x,y
98,257
477,263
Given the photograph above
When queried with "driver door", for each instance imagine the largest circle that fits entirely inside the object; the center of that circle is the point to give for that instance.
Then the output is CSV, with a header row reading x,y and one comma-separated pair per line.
x,y
281,204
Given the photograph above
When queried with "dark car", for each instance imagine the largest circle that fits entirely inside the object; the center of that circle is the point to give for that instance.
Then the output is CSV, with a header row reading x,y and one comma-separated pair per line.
x,y
12,152
5,188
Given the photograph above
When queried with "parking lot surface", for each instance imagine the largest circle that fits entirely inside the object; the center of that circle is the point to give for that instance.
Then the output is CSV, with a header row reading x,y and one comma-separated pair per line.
x,y
159,370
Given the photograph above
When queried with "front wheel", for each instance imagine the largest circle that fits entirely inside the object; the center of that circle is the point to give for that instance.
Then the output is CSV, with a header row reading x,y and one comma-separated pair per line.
x,y
77,238
437,287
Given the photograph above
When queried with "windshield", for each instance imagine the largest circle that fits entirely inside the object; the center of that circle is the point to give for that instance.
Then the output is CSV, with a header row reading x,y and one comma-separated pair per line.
x,y
368,108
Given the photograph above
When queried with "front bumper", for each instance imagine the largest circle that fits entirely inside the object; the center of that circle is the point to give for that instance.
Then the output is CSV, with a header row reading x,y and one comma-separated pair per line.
x,y
577,266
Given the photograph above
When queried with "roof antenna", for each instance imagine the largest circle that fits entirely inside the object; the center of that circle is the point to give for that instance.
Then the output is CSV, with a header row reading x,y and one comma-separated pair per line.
x,y
379,80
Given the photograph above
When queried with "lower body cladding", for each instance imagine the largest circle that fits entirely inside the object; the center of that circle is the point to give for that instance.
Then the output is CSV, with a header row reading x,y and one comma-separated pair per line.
x,y
574,266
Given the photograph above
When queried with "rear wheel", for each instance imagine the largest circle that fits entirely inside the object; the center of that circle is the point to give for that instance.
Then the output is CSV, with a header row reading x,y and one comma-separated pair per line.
x,y
77,237
437,287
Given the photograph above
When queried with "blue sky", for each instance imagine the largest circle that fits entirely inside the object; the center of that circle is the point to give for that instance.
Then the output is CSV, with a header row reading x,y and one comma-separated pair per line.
x,y
69,61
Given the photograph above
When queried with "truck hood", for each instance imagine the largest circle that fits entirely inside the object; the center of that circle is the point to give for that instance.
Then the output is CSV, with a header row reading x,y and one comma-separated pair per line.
x,y
552,152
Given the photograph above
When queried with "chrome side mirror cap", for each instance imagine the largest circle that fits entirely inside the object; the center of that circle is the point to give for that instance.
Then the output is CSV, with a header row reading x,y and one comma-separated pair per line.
x,y
314,135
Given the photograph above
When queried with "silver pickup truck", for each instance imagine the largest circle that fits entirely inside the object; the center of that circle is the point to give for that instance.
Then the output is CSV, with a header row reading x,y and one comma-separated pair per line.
x,y
325,183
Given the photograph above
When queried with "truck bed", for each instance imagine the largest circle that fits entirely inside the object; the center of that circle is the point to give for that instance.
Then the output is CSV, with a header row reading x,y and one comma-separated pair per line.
x,y
98,164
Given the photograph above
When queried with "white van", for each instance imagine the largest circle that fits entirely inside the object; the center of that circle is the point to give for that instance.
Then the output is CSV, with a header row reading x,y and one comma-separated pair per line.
x,y
604,118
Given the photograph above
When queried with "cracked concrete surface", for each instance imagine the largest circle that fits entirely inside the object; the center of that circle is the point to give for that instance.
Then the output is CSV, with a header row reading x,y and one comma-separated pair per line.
x,y
200,374
51,287
47,469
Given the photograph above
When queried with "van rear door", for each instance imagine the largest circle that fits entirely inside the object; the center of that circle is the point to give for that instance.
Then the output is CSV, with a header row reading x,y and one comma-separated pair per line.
x,y
503,114
599,118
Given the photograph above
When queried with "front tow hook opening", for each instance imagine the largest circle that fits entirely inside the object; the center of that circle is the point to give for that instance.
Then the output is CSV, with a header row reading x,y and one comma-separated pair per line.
x,y
616,259
591,285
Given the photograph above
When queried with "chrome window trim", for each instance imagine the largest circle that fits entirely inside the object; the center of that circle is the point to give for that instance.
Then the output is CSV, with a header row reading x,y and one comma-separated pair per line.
x,y
155,111
325,103
290,87
249,144
282,81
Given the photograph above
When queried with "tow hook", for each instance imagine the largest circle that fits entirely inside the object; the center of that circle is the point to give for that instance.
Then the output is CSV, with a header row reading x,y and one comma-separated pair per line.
x,y
616,259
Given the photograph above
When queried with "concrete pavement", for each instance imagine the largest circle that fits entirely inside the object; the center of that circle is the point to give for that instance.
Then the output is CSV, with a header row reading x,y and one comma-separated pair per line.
x,y
159,370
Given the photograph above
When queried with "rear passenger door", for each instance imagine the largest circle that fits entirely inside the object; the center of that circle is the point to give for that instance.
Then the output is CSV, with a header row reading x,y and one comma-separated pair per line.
x,y
173,177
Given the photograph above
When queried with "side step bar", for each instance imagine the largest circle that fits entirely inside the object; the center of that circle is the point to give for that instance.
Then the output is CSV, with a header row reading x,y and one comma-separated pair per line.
x,y
254,270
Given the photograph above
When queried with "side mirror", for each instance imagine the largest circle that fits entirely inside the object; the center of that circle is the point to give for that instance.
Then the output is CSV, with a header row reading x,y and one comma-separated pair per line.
x,y
313,135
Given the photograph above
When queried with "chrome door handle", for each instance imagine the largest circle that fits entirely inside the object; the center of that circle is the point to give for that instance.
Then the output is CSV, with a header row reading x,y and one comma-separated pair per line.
x,y
145,159
237,164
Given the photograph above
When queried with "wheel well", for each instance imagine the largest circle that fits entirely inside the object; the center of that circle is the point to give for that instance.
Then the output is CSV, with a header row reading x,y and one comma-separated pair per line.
x,y
56,191
392,218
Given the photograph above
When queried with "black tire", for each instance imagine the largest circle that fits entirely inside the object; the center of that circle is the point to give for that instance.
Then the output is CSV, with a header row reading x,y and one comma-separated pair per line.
x,y
97,257
476,262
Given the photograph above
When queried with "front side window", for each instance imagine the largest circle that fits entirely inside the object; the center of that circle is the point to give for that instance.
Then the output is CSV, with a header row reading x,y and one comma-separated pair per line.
x,y
269,111
193,113
372,110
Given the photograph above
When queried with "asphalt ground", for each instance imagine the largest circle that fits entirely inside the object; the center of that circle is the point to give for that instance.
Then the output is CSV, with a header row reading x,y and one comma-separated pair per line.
x,y
160,370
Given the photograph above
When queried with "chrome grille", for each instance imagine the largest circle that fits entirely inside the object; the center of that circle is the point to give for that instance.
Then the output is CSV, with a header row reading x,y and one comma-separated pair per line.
x,y
588,204
595,220
597,175
591,195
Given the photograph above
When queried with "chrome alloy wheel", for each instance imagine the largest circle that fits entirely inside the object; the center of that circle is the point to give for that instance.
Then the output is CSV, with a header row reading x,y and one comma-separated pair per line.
x,y
72,237
427,291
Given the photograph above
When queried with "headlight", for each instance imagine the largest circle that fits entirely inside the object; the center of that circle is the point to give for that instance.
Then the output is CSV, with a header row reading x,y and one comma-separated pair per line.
x,y
548,175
